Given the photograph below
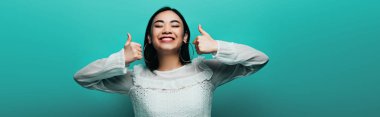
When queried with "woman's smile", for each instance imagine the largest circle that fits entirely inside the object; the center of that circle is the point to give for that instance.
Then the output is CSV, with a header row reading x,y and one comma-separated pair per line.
x,y
167,38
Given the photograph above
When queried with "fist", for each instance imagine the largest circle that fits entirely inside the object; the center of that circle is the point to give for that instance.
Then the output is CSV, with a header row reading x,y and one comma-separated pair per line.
x,y
132,50
204,43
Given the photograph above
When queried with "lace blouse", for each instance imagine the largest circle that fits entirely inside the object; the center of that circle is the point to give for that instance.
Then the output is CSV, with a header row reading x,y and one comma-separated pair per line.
x,y
182,92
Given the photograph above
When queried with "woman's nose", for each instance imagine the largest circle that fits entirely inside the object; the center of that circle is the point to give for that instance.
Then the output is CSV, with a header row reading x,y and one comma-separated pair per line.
x,y
167,30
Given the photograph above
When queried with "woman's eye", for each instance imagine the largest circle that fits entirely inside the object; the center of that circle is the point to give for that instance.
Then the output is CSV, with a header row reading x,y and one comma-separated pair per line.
x,y
176,26
158,26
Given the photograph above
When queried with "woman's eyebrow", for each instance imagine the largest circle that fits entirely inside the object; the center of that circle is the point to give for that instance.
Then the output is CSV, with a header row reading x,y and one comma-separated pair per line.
x,y
174,21
162,21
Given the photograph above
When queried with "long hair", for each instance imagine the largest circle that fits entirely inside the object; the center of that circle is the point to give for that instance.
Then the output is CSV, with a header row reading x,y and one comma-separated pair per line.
x,y
150,53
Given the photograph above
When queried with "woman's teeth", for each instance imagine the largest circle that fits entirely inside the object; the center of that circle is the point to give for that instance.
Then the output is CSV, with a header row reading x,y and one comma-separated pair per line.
x,y
166,39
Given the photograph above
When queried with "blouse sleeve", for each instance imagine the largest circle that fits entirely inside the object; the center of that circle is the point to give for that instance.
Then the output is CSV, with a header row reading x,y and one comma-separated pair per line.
x,y
234,60
109,74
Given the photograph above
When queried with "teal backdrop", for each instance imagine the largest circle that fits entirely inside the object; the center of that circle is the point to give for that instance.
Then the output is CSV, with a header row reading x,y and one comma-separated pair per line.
x,y
324,55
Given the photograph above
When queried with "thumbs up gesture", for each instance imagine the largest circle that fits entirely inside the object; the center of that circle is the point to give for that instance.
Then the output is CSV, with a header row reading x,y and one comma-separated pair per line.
x,y
132,50
204,43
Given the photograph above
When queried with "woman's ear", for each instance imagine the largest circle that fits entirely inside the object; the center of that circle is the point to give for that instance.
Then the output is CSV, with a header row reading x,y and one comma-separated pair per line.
x,y
185,37
149,40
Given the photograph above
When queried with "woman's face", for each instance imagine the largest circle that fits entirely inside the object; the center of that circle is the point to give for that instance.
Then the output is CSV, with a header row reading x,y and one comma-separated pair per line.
x,y
167,32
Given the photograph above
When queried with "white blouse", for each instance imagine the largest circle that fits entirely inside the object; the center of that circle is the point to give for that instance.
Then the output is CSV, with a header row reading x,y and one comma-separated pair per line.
x,y
182,92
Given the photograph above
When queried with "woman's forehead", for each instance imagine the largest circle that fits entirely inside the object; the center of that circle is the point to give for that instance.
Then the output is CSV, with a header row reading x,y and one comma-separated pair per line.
x,y
167,17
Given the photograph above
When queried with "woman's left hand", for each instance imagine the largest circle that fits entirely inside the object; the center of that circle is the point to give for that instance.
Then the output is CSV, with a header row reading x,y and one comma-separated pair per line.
x,y
204,43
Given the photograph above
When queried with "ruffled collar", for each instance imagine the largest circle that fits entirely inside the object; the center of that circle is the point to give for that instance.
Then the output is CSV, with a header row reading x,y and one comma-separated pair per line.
x,y
196,71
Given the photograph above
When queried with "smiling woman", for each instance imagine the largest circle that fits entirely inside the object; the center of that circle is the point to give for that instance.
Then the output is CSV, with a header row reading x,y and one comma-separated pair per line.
x,y
170,84
170,34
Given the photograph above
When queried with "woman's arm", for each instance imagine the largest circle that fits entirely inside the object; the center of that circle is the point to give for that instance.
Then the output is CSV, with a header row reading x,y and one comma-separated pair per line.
x,y
230,59
107,74
233,60
111,74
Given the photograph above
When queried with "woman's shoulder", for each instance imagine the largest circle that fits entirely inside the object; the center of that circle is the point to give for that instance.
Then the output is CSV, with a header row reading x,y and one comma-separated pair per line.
x,y
141,70
200,63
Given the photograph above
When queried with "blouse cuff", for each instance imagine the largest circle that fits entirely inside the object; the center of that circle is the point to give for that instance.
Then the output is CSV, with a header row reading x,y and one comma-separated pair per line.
x,y
114,65
121,61
214,54
122,54
117,59
226,52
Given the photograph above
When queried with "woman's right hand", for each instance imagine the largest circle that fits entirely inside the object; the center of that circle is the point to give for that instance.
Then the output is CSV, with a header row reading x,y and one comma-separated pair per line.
x,y
132,50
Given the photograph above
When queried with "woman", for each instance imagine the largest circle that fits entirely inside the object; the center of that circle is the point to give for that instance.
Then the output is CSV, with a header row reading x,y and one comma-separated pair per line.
x,y
170,84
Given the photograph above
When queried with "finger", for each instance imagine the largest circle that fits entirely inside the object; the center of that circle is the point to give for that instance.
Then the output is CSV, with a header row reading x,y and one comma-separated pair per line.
x,y
198,52
138,53
203,32
195,41
139,57
197,49
137,44
137,47
129,39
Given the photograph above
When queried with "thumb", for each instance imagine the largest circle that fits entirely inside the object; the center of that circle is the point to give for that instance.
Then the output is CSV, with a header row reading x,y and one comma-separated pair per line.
x,y
203,32
129,39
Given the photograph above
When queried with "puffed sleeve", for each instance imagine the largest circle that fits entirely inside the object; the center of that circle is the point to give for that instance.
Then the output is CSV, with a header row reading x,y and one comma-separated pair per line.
x,y
109,74
234,60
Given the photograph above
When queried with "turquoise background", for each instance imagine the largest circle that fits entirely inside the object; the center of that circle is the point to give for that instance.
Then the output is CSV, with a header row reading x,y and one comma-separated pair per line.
x,y
323,55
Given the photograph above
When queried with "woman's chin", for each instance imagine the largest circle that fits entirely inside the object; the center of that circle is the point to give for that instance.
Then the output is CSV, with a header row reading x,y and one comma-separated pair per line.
x,y
168,48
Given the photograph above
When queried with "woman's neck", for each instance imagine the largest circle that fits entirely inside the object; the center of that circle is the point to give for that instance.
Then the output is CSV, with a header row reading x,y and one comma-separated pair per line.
x,y
168,62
